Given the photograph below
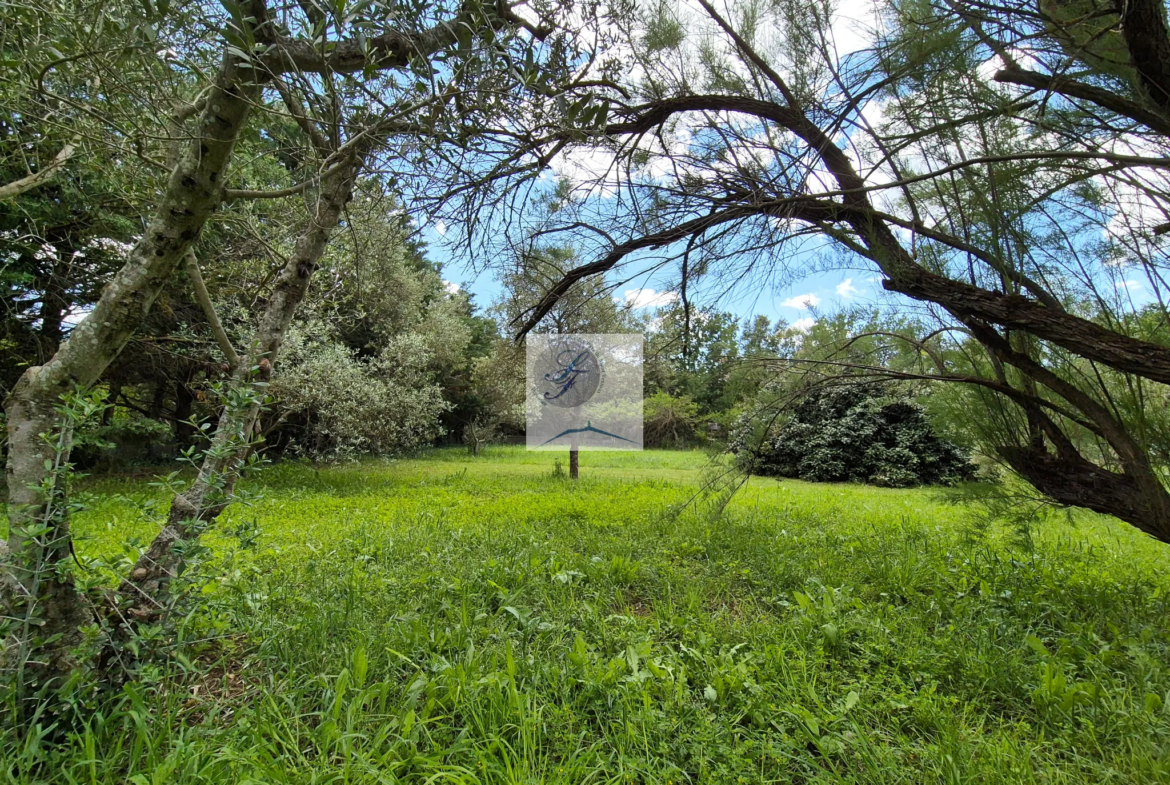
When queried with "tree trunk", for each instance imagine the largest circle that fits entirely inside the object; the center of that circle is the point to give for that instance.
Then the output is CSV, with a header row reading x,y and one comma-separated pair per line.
x,y
1072,480
184,430
115,390
40,582
144,594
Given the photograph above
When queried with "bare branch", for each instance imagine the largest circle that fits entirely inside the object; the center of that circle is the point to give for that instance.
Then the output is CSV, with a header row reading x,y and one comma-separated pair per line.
x,y
204,299
26,184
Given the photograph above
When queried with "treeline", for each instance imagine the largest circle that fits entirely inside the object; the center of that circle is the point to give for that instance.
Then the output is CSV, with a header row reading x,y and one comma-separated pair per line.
x,y
378,360
384,355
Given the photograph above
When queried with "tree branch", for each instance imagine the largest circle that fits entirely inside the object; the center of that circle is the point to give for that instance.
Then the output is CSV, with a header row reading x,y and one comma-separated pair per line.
x,y
26,184
1073,89
221,337
751,54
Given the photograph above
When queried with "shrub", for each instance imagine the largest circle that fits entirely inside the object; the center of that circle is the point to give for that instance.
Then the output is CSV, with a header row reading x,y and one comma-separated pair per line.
x,y
668,421
333,403
855,433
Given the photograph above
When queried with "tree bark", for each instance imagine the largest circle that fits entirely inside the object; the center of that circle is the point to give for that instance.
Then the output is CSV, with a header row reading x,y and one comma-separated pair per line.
x,y
35,180
144,593
1072,480
192,193
1143,27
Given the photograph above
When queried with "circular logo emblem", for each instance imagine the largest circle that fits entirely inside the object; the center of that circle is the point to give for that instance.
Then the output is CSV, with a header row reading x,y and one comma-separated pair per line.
x,y
569,373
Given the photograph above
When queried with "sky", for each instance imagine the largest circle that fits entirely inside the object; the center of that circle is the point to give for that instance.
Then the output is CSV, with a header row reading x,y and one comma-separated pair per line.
x,y
816,295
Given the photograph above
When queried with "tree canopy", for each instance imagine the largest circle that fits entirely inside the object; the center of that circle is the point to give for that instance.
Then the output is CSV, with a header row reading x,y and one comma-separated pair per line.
x,y
1001,166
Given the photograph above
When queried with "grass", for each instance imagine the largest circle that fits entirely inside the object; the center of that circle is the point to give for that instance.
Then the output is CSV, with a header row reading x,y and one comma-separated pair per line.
x,y
457,620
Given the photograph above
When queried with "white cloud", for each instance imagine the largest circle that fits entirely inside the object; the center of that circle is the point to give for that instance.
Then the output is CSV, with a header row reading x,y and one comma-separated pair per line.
x,y
803,325
853,25
451,287
802,301
648,298
846,289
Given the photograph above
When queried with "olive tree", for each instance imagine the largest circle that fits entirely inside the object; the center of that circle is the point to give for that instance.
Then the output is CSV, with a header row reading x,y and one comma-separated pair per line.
x,y
352,80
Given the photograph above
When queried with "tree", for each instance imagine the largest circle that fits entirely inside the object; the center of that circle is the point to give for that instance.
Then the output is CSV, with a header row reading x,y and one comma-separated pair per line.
x,y
692,352
973,158
312,64
495,395
669,421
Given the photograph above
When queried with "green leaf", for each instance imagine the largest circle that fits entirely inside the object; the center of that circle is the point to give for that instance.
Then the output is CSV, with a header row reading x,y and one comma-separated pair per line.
x,y
1037,645
360,665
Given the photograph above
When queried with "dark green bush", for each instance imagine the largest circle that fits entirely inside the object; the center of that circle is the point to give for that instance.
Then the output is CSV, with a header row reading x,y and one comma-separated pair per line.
x,y
856,433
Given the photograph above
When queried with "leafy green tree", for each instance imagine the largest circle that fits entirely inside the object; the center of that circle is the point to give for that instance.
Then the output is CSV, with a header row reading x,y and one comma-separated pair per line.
x,y
669,421
691,353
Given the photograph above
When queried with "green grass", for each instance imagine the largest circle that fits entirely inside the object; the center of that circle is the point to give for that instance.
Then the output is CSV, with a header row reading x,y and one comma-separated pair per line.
x,y
450,620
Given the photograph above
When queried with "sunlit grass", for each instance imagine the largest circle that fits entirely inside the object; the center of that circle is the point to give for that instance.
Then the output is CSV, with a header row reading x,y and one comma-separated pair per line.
x,y
459,619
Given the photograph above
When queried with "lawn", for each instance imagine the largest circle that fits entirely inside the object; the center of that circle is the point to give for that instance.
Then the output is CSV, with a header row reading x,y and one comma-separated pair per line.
x,y
450,619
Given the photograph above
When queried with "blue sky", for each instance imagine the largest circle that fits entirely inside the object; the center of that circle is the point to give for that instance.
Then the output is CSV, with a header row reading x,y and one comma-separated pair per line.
x,y
816,295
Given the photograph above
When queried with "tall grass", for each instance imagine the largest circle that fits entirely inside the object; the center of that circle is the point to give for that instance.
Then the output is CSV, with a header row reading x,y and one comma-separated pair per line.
x,y
451,620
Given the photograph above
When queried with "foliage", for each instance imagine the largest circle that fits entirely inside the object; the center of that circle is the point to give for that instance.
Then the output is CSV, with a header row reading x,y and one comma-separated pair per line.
x,y
669,422
346,405
855,433
96,76
496,394
480,621
693,354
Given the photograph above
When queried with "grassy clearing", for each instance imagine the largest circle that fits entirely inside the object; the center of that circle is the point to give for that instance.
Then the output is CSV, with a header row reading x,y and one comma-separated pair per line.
x,y
449,619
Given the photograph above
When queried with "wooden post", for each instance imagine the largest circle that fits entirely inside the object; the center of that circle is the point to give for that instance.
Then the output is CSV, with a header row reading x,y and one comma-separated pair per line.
x,y
574,464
